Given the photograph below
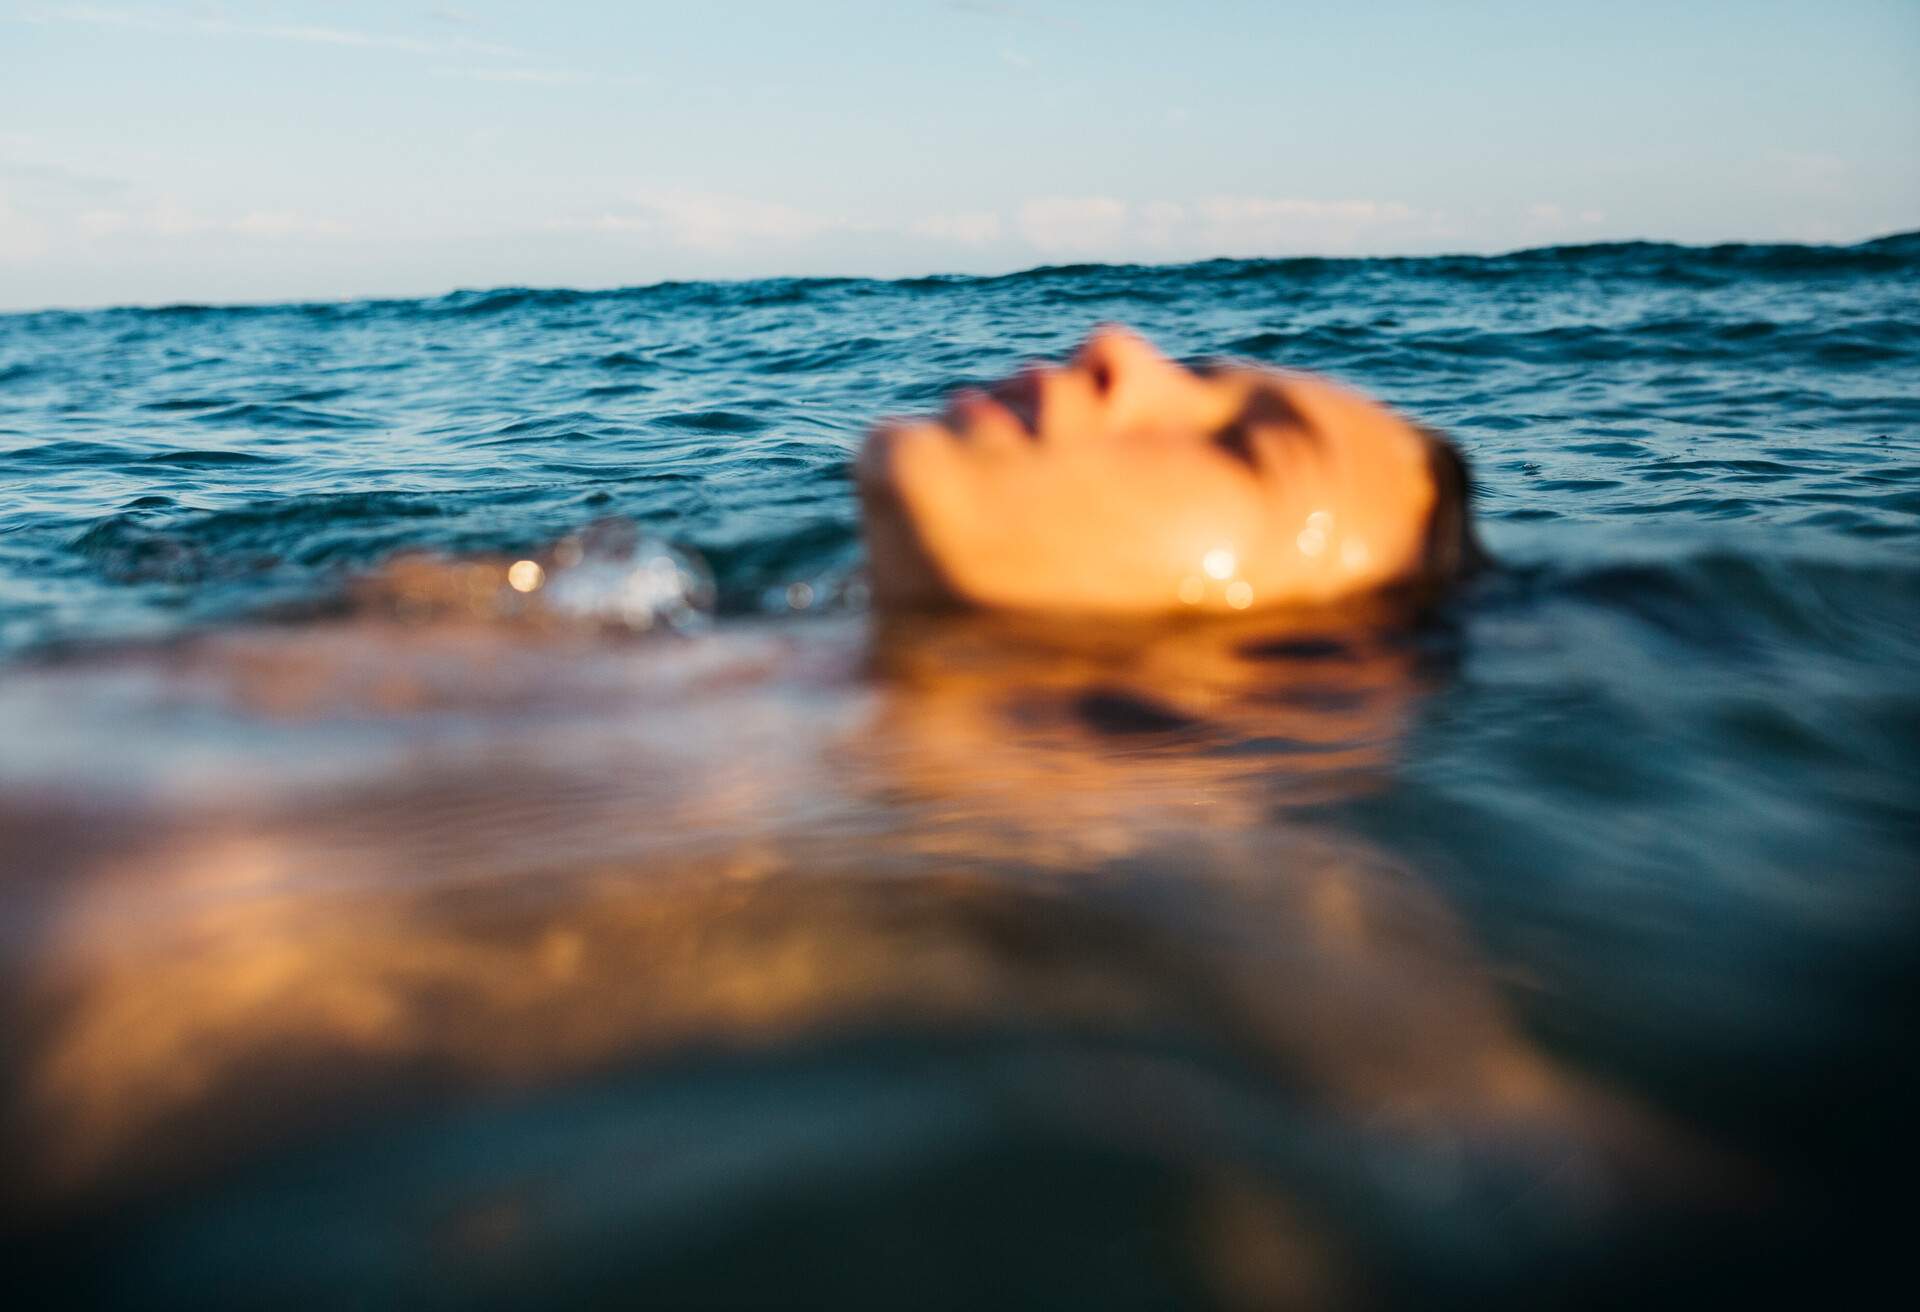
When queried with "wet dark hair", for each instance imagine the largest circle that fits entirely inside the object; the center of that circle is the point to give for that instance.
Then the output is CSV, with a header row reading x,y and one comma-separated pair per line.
x,y
1451,550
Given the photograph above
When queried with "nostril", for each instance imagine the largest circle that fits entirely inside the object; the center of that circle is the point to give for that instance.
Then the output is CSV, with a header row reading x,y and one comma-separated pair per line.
x,y
1103,378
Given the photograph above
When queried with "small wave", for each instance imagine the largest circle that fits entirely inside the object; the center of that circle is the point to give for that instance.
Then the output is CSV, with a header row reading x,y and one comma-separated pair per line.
x,y
209,459
71,452
188,404
566,427
1051,272
1274,345
281,415
1758,468
792,291
832,355
1611,450
1577,484
1885,254
467,303
191,310
611,390
713,421
1728,601
199,546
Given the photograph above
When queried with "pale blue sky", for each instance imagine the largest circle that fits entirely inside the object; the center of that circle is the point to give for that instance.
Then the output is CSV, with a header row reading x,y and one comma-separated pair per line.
x,y
265,151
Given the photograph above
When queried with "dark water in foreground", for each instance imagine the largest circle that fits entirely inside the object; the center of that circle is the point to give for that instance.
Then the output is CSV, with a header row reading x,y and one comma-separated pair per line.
x,y
379,933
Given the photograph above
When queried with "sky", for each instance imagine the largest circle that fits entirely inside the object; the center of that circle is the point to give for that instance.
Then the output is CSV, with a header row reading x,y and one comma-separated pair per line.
x,y
155,153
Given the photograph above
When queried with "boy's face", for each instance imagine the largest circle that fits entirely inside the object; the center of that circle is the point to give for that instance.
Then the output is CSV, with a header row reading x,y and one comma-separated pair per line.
x,y
1123,483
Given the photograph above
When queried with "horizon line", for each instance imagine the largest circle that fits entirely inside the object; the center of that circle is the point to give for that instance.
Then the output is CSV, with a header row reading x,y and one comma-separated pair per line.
x,y
615,289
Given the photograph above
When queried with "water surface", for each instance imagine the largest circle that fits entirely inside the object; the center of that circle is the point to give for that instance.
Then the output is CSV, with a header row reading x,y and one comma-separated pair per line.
x,y
375,928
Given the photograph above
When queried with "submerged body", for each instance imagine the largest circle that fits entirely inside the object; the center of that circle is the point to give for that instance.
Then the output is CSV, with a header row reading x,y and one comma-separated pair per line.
x,y
887,908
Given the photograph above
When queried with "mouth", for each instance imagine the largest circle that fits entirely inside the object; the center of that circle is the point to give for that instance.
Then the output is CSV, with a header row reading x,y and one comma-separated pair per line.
x,y
1021,396
1012,406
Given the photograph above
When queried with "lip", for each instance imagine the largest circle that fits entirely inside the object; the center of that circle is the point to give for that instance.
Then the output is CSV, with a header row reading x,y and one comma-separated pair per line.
x,y
1022,396
973,409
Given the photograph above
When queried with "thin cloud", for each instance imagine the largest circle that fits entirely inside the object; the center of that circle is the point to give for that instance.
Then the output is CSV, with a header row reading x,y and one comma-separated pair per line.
x,y
22,238
280,224
328,36
58,179
1049,227
1109,228
174,21
1233,225
102,223
1013,13
172,221
549,77
1066,225
709,222
1552,214
973,228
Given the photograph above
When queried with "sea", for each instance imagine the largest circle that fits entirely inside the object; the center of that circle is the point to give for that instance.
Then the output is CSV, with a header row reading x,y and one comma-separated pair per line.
x,y
465,839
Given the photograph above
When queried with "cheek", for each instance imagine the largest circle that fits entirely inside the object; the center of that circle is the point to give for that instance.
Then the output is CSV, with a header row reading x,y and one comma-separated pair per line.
x,y
935,486
1389,507
910,484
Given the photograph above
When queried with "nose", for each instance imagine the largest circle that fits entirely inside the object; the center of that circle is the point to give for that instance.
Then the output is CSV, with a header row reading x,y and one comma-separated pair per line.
x,y
1114,357
1131,382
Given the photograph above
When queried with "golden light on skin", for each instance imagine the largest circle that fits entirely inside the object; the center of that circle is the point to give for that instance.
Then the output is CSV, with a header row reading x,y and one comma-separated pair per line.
x,y
525,575
1192,590
1354,555
1313,538
1098,485
1239,594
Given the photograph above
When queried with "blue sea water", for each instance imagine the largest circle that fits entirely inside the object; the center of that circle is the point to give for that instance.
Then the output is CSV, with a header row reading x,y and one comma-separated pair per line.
x,y
160,467
1659,766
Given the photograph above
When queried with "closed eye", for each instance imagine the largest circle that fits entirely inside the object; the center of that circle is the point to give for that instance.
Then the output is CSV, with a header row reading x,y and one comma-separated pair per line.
x,y
1266,409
